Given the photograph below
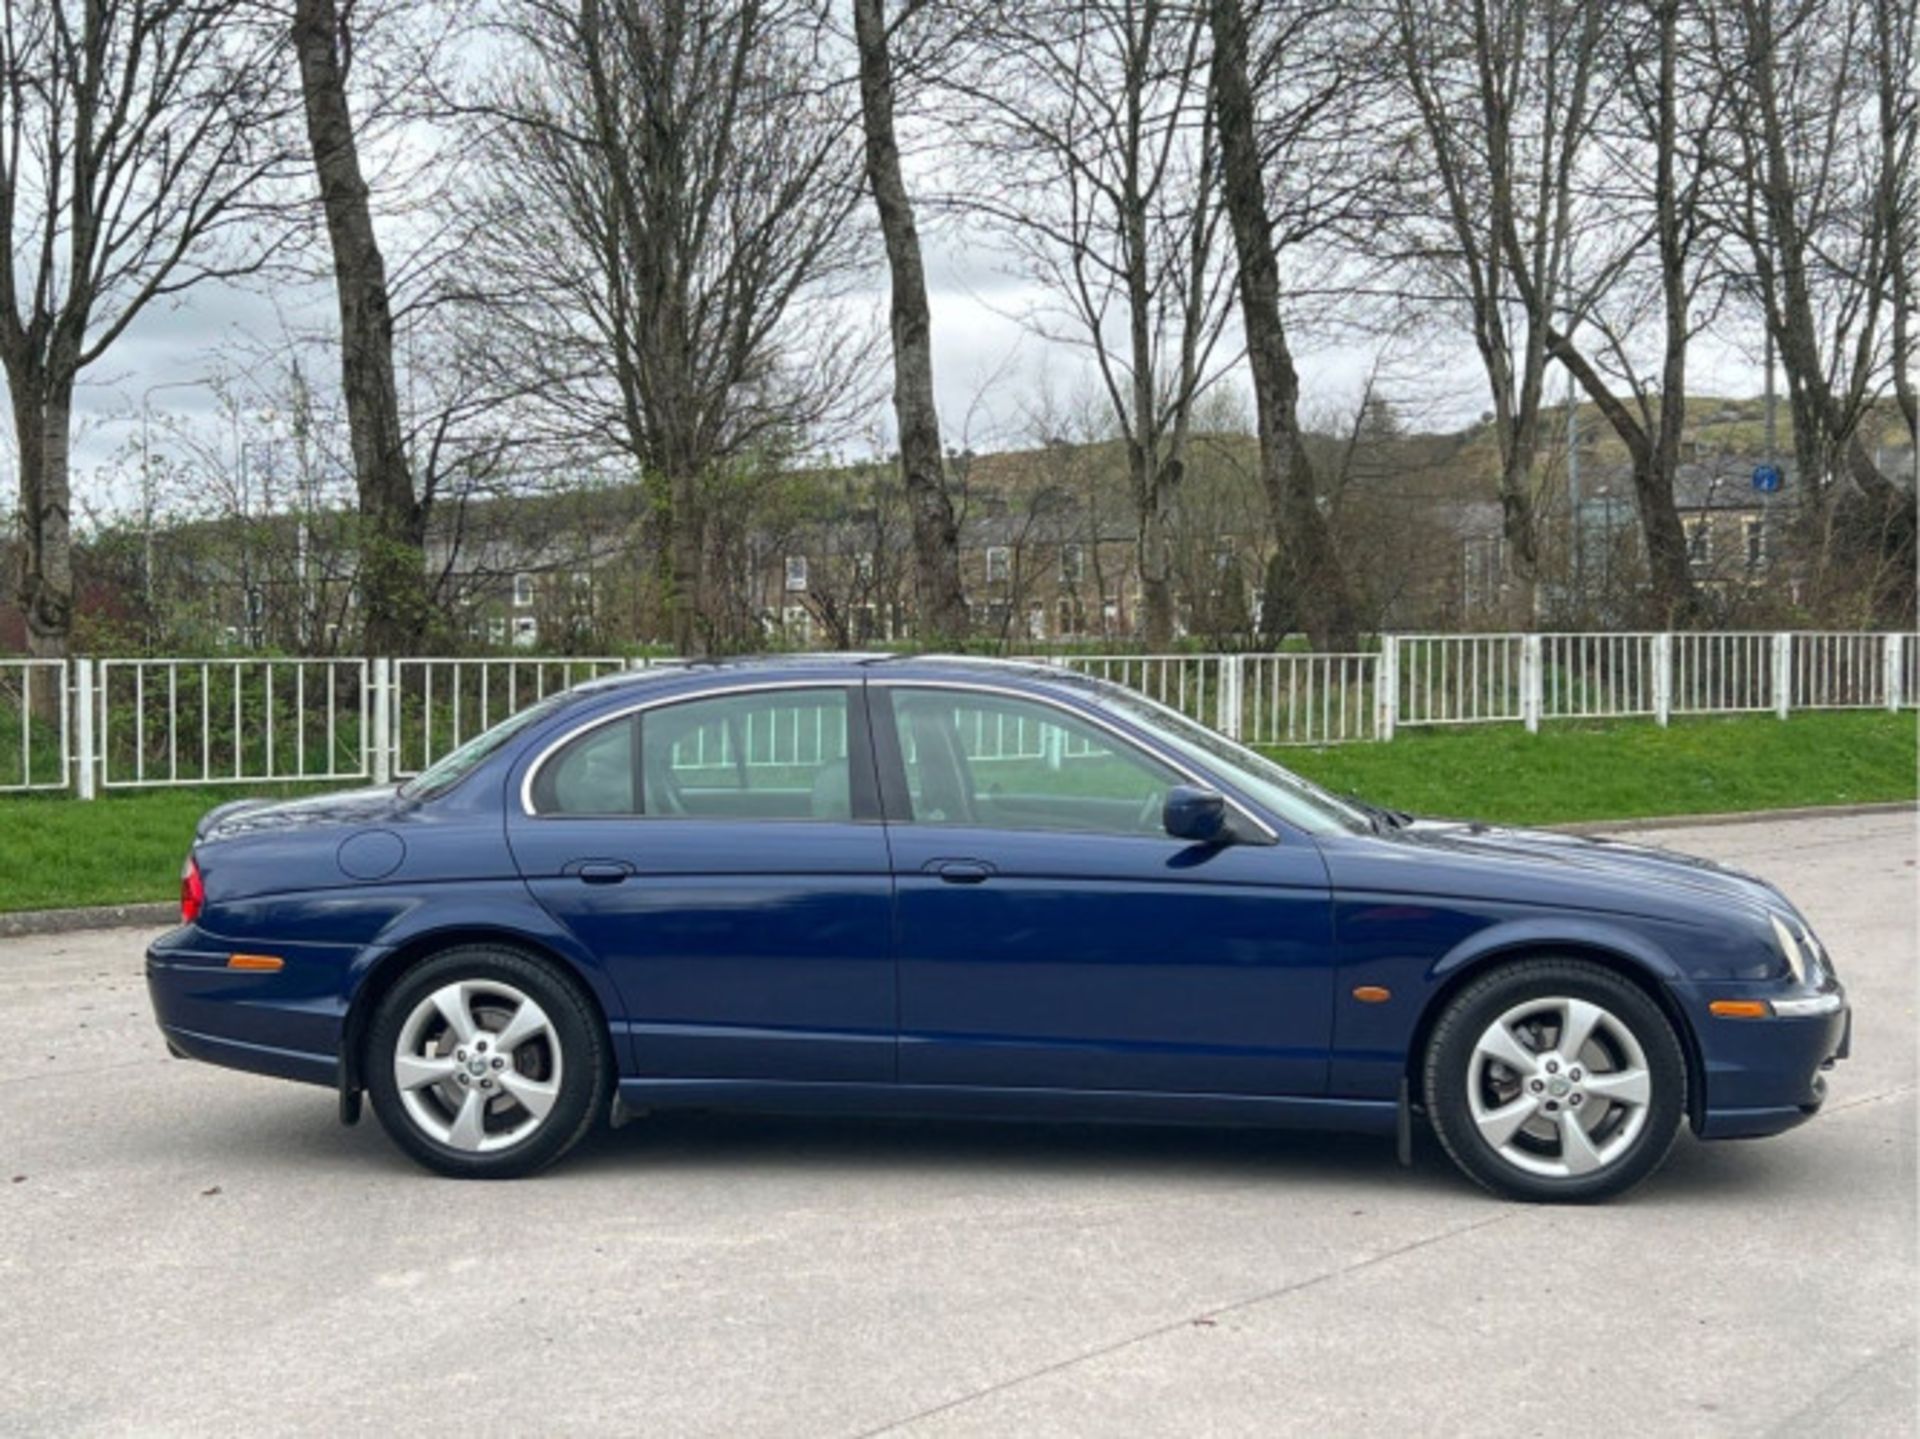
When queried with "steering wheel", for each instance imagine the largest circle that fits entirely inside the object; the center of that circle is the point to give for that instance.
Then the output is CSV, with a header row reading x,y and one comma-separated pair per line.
x,y
1152,816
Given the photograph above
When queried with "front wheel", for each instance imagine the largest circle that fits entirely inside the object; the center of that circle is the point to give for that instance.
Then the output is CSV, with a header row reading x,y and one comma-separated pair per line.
x,y
1555,1080
484,1063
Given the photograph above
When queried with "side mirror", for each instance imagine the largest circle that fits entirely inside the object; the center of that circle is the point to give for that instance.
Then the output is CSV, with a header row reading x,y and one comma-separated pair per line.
x,y
1195,814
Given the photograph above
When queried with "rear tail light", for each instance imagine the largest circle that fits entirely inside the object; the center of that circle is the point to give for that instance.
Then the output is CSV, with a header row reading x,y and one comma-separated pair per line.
x,y
193,894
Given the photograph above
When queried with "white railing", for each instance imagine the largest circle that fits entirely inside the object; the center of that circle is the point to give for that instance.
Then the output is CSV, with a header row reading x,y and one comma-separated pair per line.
x,y
1188,683
1723,673
139,723
1840,671
34,715
232,721
1458,679
1306,698
1611,676
437,705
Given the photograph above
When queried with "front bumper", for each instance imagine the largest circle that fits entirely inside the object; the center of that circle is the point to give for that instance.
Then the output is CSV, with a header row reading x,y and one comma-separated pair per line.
x,y
1764,1076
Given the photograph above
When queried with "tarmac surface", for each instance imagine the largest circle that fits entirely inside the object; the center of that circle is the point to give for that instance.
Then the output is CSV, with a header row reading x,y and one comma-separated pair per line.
x,y
185,1250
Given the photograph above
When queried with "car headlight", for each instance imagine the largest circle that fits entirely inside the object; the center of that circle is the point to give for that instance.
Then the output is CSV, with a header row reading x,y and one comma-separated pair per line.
x,y
1790,947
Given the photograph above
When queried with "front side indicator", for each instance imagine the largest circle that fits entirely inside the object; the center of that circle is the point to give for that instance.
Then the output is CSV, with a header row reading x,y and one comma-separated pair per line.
x,y
264,963
1777,1008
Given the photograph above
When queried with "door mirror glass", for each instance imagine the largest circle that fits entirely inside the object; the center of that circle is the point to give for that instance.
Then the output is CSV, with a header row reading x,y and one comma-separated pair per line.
x,y
1195,814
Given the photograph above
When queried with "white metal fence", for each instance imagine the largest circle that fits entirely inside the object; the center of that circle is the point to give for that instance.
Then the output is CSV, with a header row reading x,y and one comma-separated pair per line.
x,y
437,705
138,723
34,713
230,721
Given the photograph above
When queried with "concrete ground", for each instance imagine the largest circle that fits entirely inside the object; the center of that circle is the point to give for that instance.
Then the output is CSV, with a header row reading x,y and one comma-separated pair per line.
x,y
184,1250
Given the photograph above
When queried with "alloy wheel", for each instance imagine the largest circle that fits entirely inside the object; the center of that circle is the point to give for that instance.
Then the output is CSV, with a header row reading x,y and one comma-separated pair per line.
x,y
1559,1087
478,1065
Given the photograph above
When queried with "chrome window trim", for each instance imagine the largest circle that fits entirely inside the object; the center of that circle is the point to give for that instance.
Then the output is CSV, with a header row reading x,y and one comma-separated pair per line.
x,y
661,702
1178,766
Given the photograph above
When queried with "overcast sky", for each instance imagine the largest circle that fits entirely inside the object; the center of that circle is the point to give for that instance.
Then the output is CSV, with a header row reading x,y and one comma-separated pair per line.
x,y
990,368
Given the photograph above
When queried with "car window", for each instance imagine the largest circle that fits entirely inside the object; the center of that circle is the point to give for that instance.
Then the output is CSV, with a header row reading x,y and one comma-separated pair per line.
x,y
591,774
1294,799
771,754
1006,763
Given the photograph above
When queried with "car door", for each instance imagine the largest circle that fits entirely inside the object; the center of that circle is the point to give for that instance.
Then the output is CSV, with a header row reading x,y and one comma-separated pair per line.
x,y
1051,934
722,854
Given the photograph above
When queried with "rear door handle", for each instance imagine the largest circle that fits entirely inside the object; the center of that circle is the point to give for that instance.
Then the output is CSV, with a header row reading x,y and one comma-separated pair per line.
x,y
960,871
603,872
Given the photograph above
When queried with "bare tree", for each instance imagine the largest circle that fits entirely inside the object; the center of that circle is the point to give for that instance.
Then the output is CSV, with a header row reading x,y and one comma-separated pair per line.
x,y
941,608
1655,267
1824,179
1502,93
393,581
137,139
1313,581
1089,133
657,250
1897,194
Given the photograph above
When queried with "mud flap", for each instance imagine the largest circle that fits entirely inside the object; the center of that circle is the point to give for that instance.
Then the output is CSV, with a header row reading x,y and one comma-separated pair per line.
x,y
1403,1126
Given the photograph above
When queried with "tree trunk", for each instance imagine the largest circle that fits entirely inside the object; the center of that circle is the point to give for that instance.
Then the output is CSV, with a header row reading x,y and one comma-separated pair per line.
x,y
42,414
1311,567
940,600
45,583
393,587
1156,552
686,545
1676,597
1675,600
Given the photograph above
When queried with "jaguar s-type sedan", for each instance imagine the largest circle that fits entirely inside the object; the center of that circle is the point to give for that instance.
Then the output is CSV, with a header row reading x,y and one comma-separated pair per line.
x,y
958,887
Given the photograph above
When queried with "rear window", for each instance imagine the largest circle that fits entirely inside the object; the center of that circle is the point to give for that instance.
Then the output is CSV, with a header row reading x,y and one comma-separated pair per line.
x,y
760,755
592,774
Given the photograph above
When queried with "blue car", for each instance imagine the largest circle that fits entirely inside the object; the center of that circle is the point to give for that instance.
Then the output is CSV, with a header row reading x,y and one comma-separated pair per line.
x,y
958,887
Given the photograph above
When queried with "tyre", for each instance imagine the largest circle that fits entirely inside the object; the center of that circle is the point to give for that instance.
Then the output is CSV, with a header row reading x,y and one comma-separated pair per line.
x,y
486,1063
1555,1080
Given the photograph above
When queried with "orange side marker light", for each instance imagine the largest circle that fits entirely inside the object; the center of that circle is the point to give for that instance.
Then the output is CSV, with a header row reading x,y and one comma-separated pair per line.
x,y
1373,994
265,962
1741,1008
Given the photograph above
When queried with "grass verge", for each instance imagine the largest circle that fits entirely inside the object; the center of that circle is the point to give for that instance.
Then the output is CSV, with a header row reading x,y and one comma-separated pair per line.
x,y
123,848
127,846
1628,769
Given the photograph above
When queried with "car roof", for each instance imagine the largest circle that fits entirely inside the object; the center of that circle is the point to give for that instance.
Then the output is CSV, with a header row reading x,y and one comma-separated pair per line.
x,y
847,666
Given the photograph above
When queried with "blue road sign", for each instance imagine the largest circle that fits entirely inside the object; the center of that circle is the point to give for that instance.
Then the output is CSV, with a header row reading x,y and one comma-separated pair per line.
x,y
1766,478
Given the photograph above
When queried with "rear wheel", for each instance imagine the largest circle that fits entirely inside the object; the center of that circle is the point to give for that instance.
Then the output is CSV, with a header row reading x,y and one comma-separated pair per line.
x,y
1555,1080
485,1063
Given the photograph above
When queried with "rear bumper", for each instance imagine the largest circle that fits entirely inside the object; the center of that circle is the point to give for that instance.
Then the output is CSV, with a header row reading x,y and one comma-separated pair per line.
x,y
255,1058
286,1024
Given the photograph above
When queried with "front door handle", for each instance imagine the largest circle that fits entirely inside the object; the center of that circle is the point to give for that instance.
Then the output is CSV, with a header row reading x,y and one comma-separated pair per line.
x,y
960,871
603,872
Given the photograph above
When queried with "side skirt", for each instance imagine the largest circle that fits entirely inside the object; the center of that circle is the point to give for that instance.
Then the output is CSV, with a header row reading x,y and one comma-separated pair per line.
x,y
1366,1116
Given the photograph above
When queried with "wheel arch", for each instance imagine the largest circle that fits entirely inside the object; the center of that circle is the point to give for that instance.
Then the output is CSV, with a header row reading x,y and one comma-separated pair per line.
x,y
377,978
1458,972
